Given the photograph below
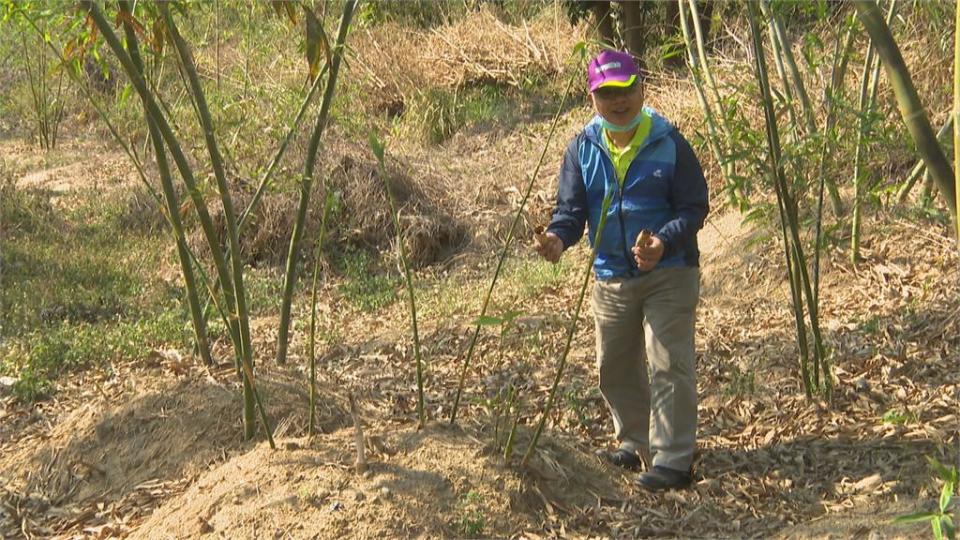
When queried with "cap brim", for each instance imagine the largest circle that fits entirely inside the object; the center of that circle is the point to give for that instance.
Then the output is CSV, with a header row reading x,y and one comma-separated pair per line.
x,y
617,84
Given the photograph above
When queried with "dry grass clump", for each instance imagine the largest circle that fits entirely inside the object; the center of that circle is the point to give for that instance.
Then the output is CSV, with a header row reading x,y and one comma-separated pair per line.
x,y
397,62
482,49
431,234
363,217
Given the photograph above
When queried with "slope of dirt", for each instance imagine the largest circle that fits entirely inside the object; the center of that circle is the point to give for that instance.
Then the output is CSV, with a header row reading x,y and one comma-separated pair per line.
x,y
125,442
75,165
437,482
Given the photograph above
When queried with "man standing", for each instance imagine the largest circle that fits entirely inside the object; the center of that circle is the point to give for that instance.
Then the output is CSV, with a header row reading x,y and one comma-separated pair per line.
x,y
646,293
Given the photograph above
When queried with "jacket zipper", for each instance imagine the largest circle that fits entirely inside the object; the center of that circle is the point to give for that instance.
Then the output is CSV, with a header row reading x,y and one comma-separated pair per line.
x,y
623,228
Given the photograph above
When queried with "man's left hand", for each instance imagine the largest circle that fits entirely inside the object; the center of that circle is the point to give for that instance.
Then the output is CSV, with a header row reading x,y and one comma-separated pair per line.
x,y
649,255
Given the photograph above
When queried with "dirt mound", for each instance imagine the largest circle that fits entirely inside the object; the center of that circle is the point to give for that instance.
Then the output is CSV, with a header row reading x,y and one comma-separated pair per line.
x,y
437,482
124,452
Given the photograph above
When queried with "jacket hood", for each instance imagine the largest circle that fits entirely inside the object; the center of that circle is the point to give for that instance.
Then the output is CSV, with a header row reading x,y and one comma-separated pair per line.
x,y
659,129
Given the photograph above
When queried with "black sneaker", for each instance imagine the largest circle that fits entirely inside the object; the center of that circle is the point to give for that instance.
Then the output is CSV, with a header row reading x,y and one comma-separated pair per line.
x,y
663,478
621,457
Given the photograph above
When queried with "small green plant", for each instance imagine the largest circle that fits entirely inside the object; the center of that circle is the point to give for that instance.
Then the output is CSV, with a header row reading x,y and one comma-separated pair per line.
x,y
741,384
941,521
32,387
472,521
433,116
578,402
378,148
898,417
364,288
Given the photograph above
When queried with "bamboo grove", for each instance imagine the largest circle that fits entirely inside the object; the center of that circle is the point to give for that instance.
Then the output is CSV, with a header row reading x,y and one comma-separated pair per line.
x,y
789,156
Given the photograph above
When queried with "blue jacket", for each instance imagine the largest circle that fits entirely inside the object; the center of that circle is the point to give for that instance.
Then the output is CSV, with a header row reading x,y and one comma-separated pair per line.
x,y
664,191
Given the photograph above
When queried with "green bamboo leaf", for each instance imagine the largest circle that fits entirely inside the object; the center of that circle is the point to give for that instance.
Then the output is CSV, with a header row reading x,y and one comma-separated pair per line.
x,y
915,518
580,48
377,146
948,527
487,320
937,528
317,43
510,315
947,474
946,494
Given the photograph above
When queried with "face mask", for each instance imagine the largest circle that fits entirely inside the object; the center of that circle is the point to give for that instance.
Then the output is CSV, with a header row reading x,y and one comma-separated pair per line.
x,y
620,129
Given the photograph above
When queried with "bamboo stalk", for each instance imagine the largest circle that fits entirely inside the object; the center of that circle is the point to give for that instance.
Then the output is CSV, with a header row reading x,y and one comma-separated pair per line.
x,y
705,66
785,49
735,194
378,150
908,101
918,169
776,173
275,162
956,124
240,310
306,184
506,247
778,62
106,30
788,207
267,175
313,315
172,202
831,92
868,99
571,329
858,153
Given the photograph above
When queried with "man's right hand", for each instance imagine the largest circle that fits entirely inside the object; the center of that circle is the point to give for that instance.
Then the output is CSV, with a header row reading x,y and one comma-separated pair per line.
x,y
548,245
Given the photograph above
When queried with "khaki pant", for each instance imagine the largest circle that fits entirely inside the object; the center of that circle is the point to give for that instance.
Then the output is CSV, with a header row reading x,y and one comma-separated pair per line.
x,y
649,320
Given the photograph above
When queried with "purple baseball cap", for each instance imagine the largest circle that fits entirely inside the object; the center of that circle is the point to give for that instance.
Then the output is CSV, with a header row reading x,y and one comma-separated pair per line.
x,y
612,68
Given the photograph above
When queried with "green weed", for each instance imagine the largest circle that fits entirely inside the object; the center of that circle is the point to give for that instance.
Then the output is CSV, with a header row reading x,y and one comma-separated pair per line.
x,y
898,417
362,286
40,356
472,521
741,384
941,522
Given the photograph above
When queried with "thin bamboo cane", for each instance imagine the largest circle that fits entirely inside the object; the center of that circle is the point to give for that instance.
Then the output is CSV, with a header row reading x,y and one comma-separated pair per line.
x,y
186,173
830,99
306,184
32,81
506,248
267,175
918,169
705,67
858,153
239,306
788,210
571,329
868,99
793,278
327,205
378,150
956,123
778,55
172,202
787,51
735,194
908,100
275,162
